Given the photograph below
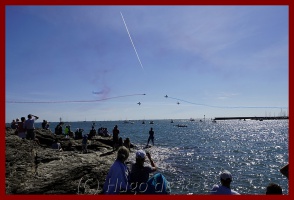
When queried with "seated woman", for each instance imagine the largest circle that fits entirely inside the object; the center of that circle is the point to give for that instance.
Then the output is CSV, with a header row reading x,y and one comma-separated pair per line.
x,y
118,175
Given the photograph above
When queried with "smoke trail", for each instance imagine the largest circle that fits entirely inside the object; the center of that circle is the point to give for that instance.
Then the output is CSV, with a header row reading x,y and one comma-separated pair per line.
x,y
131,40
78,101
213,106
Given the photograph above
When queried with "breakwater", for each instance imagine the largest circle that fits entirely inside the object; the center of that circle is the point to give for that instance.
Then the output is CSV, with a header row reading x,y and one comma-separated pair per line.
x,y
252,118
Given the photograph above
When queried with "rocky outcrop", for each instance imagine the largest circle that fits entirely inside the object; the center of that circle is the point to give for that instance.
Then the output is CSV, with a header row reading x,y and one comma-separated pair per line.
x,y
39,169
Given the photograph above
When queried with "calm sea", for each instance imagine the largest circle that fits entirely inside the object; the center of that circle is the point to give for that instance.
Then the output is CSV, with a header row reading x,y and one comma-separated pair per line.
x,y
192,157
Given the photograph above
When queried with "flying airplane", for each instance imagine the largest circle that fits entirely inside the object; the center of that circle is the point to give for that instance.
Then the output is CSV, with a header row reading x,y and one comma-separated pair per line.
x,y
139,103
165,96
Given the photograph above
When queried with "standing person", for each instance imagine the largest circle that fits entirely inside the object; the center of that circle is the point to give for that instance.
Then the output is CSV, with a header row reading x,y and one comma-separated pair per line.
x,y
20,128
66,130
58,128
225,187
44,124
85,144
115,133
30,126
140,172
92,133
117,179
151,137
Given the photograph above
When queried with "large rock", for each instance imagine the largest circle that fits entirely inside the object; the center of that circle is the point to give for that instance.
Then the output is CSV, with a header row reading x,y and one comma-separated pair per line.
x,y
34,169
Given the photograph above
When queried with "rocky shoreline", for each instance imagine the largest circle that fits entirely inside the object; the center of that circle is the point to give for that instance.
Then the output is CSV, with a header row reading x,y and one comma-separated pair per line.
x,y
35,169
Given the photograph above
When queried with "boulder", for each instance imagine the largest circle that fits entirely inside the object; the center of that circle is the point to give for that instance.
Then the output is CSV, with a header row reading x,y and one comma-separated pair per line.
x,y
38,169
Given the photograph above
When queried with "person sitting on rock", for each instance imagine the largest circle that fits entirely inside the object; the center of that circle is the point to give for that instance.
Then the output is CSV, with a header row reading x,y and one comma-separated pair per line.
x,y
79,134
69,147
56,145
106,133
140,171
117,179
127,143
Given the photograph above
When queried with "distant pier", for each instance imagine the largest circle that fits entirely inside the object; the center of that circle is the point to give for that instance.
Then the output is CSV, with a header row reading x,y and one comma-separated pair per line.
x,y
252,118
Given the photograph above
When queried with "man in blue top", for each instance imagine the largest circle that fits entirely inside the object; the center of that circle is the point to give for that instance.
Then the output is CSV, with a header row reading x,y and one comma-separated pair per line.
x,y
224,188
30,127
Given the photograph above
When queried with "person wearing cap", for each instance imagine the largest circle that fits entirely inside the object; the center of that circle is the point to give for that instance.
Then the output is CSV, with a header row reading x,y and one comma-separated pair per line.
x,y
225,187
140,172
117,179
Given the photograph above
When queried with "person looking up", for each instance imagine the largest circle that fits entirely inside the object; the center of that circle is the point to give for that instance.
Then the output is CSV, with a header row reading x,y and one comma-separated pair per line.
x,y
30,126
140,171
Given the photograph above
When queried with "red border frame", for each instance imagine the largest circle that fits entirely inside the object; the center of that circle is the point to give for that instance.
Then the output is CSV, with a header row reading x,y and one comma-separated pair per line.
x,y
4,3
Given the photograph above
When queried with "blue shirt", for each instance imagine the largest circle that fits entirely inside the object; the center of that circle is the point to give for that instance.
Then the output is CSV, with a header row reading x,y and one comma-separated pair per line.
x,y
117,179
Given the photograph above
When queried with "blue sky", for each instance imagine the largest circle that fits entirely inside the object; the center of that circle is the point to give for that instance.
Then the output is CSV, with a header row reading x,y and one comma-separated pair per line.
x,y
214,60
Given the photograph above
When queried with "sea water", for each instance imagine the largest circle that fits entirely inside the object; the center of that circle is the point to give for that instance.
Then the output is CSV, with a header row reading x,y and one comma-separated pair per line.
x,y
192,157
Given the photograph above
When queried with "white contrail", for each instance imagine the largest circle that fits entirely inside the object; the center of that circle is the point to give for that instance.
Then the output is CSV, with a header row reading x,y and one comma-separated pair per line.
x,y
131,40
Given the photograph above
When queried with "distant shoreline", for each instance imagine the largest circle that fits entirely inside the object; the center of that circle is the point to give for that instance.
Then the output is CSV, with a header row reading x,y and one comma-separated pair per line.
x,y
195,119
